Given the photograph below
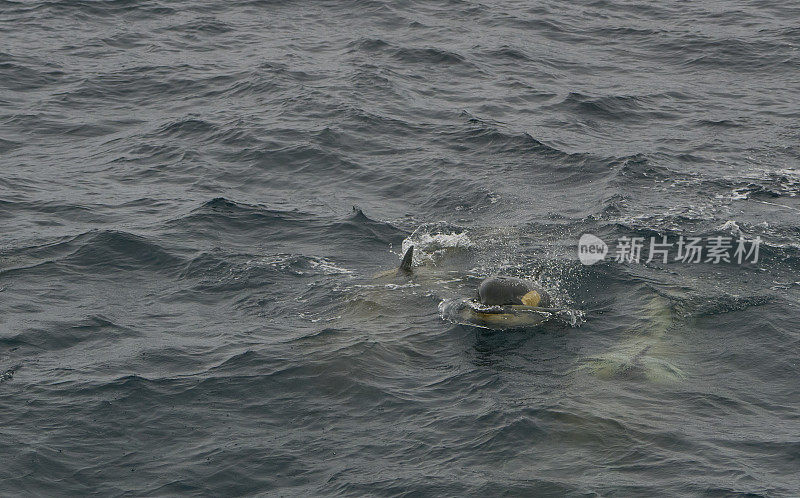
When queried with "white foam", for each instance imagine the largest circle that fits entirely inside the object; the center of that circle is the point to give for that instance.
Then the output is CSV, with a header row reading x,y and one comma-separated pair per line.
x,y
329,267
740,194
731,226
433,239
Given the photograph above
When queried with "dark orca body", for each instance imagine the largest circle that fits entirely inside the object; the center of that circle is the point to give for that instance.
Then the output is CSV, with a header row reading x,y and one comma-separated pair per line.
x,y
503,291
503,303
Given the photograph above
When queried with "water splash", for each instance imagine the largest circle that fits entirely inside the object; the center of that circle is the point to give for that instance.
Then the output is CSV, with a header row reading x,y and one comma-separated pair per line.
x,y
434,241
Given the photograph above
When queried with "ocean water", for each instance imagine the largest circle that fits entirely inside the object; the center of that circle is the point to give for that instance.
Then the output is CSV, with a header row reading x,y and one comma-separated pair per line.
x,y
188,301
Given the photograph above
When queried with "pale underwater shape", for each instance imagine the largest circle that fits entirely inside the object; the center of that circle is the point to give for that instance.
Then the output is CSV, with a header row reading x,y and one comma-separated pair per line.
x,y
641,355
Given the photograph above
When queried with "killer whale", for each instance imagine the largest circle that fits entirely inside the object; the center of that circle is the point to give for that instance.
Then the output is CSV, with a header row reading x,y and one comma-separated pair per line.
x,y
502,302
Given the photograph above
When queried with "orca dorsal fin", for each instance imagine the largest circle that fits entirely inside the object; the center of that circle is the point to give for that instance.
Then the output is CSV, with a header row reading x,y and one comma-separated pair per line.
x,y
408,258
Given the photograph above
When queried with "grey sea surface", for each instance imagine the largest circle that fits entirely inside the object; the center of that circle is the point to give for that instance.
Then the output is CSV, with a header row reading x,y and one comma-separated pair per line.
x,y
188,301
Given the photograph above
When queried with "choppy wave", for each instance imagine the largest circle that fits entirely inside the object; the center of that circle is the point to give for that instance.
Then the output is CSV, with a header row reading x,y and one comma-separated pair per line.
x,y
203,205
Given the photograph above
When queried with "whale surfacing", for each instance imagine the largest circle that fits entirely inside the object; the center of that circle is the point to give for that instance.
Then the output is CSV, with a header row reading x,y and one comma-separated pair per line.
x,y
503,291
